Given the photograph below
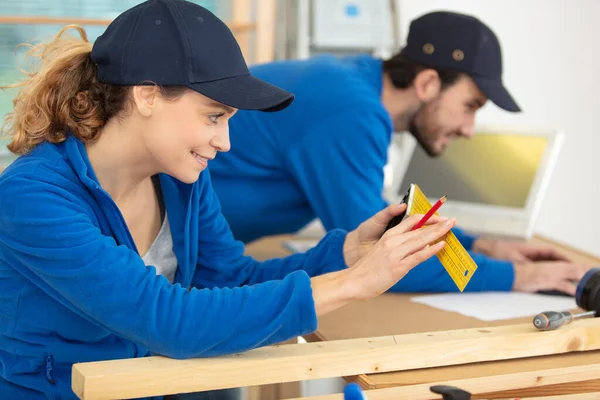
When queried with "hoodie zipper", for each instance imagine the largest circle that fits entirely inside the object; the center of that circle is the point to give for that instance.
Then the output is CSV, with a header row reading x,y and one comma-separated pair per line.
x,y
49,368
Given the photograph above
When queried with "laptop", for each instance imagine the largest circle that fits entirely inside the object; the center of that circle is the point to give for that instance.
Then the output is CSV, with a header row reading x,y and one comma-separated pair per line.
x,y
495,181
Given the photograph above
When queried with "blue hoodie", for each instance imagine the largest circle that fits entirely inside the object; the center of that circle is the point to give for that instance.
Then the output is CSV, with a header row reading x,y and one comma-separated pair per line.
x,y
323,157
74,289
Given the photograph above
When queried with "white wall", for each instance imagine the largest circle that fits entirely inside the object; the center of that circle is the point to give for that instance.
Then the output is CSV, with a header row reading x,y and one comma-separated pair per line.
x,y
551,52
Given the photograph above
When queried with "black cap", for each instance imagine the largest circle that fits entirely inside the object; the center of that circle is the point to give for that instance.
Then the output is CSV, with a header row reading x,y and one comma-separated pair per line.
x,y
178,43
463,43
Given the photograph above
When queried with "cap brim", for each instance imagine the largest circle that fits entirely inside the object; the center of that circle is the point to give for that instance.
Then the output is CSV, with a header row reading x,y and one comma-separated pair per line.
x,y
497,93
245,93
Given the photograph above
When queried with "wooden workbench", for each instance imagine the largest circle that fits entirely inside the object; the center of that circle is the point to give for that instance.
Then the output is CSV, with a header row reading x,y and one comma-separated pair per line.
x,y
392,314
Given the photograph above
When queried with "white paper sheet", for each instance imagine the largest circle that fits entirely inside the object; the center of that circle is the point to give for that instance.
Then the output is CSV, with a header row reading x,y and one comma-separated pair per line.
x,y
493,306
300,246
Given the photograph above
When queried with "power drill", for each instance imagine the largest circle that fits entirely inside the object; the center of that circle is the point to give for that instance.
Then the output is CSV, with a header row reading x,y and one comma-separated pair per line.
x,y
587,297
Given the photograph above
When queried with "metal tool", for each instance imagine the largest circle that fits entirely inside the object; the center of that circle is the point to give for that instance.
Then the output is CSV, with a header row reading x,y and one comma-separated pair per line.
x,y
353,391
451,392
550,320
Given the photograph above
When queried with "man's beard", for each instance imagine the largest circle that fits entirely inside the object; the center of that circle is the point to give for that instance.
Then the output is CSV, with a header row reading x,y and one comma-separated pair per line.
x,y
421,139
424,114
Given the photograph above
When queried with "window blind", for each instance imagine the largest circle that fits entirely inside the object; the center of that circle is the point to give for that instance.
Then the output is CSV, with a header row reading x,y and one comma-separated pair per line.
x,y
11,35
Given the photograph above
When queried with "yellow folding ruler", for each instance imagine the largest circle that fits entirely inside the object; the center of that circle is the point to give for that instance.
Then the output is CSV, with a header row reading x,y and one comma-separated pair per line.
x,y
453,256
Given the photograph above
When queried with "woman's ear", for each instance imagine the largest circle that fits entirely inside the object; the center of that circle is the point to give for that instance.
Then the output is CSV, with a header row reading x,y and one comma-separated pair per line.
x,y
144,99
427,85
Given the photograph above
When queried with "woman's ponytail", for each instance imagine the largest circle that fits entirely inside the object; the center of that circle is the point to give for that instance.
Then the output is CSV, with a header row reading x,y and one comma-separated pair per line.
x,y
61,95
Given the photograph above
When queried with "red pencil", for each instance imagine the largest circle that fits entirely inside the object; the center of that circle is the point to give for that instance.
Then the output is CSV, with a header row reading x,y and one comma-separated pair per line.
x,y
430,213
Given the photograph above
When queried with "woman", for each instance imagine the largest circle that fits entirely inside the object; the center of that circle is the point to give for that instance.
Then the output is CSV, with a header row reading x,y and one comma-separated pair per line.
x,y
112,244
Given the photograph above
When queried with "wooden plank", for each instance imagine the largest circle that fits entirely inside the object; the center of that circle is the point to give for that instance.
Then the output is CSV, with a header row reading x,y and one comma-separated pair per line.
x,y
242,14
265,32
481,385
274,364
449,373
560,389
41,20
275,391
580,396
530,364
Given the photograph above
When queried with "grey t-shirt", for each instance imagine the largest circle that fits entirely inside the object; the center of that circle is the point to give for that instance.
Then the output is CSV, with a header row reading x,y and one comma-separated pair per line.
x,y
161,254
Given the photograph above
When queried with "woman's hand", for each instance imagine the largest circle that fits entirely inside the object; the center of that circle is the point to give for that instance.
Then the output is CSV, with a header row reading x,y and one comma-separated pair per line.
x,y
397,252
383,263
361,240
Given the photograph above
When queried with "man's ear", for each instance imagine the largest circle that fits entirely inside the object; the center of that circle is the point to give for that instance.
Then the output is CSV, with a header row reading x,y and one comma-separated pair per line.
x,y
427,85
144,98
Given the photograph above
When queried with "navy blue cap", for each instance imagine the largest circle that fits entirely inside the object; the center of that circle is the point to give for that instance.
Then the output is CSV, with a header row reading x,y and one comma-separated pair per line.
x,y
463,43
178,43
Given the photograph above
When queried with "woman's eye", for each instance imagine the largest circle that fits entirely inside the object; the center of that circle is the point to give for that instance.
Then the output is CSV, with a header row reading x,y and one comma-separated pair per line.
x,y
215,117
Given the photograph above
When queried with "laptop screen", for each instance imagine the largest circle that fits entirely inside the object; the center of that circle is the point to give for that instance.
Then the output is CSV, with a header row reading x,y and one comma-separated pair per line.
x,y
492,169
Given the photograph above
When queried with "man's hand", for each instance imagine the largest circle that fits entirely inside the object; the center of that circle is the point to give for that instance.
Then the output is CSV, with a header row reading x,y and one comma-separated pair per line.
x,y
517,251
548,275
361,240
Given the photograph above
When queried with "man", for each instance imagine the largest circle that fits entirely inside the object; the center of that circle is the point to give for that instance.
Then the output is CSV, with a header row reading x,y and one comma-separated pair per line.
x,y
324,156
